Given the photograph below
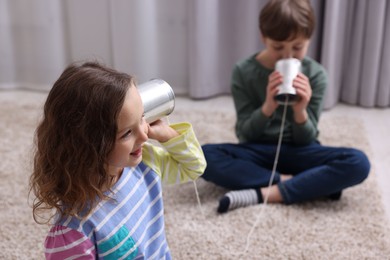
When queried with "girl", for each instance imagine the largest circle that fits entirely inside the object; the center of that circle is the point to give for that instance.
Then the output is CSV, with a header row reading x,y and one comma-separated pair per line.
x,y
94,168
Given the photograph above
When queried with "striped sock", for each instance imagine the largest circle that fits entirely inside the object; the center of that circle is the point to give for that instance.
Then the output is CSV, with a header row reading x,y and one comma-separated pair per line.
x,y
240,198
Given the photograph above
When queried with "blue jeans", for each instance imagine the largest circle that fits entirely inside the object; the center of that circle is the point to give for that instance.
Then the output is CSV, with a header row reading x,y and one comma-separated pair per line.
x,y
318,170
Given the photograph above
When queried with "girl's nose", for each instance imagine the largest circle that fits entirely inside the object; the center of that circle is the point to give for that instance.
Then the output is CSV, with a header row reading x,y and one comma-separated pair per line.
x,y
145,130
142,137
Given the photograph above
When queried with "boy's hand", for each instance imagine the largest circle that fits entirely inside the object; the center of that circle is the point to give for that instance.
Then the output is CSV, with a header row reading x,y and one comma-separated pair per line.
x,y
304,92
270,104
161,131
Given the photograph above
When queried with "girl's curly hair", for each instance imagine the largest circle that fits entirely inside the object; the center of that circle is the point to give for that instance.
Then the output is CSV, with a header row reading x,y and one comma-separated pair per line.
x,y
73,139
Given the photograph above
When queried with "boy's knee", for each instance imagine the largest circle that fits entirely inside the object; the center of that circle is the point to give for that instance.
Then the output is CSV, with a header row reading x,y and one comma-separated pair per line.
x,y
207,147
361,165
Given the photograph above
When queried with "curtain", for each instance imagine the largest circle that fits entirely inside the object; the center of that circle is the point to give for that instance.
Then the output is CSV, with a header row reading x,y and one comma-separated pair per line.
x,y
223,32
32,46
191,44
148,39
356,53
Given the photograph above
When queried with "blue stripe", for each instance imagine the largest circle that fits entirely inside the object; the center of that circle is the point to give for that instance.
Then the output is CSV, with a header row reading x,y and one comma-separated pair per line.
x,y
129,237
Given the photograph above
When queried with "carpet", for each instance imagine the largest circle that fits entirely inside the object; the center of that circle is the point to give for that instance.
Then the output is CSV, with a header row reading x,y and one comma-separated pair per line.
x,y
353,228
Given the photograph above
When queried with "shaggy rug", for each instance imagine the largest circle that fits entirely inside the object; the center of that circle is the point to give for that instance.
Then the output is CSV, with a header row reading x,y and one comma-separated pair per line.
x,y
353,228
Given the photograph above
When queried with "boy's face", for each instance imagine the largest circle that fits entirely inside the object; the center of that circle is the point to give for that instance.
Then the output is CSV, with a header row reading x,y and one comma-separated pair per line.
x,y
132,134
295,48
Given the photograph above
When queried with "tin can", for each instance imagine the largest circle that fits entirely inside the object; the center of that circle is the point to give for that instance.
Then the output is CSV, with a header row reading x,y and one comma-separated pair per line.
x,y
158,99
289,68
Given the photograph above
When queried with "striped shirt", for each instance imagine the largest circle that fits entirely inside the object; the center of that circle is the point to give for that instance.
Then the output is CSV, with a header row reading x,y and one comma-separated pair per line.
x,y
131,224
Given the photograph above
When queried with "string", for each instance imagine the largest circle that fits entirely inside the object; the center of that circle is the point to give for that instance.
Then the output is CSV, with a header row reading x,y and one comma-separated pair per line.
x,y
198,199
265,201
194,181
271,179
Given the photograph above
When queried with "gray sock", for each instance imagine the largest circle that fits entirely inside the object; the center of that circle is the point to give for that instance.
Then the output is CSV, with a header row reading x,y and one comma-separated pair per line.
x,y
239,198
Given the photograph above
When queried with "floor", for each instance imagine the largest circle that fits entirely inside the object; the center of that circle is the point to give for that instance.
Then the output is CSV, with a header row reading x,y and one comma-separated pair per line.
x,y
376,122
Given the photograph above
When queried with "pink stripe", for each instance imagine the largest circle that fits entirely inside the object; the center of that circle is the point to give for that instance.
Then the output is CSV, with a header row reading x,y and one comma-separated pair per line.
x,y
67,244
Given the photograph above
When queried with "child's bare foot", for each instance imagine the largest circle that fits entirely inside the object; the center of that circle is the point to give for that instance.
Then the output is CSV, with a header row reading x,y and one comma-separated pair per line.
x,y
285,177
272,194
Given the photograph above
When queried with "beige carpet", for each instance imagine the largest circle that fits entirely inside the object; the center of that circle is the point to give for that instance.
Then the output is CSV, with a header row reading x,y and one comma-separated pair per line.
x,y
354,228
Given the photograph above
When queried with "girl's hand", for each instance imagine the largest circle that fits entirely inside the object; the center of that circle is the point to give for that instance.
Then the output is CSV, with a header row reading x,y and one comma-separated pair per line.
x,y
270,104
161,131
304,92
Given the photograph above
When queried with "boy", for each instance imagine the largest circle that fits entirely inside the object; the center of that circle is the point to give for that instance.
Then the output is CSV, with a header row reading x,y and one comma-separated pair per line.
x,y
306,170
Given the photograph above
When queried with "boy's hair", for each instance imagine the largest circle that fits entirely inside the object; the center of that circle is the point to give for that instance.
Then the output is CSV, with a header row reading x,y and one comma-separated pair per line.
x,y
283,20
77,132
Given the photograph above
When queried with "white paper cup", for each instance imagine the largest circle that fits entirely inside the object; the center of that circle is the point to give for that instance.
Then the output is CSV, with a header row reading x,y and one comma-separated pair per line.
x,y
158,99
289,68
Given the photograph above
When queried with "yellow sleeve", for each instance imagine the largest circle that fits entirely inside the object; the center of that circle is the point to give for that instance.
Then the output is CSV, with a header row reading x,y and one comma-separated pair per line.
x,y
178,160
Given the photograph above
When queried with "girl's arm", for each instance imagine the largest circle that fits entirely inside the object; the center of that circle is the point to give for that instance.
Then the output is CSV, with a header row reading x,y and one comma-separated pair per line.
x,y
178,159
63,243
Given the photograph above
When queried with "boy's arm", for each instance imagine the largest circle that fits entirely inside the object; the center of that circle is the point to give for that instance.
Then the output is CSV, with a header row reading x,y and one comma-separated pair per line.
x,y
308,131
180,159
251,121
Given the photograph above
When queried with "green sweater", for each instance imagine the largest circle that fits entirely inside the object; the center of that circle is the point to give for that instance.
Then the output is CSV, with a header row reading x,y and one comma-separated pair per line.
x,y
248,85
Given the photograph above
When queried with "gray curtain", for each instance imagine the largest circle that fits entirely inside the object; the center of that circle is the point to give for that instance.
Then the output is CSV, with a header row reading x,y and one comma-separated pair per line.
x,y
223,32
192,44
355,50
350,41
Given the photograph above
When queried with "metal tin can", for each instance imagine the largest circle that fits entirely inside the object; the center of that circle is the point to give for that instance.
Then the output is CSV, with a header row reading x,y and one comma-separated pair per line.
x,y
289,68
158,99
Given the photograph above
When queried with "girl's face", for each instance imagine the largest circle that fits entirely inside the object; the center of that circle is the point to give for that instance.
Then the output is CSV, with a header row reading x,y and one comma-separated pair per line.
x,y
276,50
132,134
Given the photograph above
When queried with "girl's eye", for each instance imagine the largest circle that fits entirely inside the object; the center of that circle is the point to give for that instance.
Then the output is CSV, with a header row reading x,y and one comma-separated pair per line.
x,y
278,48
297,48
126,134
